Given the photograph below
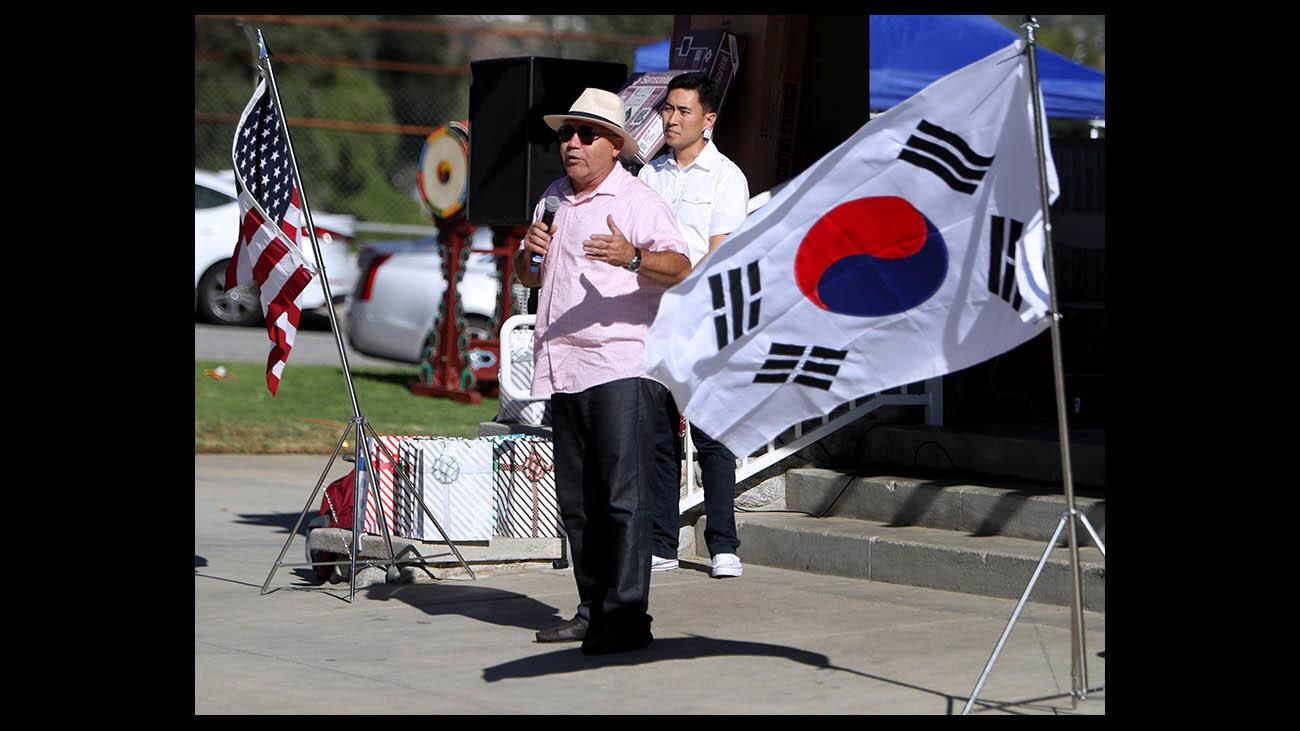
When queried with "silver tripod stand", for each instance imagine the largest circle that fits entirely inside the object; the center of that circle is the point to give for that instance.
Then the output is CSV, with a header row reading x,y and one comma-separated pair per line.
x,y
1078,650
358,426
360,495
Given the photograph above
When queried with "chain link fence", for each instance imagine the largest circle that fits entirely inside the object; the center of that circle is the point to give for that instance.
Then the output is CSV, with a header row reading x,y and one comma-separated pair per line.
x,y
362,93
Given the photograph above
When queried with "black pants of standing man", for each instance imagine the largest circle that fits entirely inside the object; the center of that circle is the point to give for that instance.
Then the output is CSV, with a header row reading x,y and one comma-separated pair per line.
x,y
604,468
718,473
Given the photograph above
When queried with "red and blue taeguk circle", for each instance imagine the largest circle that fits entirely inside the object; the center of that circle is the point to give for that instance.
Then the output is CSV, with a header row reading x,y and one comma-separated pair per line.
x,y
871,257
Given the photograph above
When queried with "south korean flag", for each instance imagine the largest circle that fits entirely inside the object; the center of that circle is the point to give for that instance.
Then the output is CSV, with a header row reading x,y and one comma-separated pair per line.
x,y
913,249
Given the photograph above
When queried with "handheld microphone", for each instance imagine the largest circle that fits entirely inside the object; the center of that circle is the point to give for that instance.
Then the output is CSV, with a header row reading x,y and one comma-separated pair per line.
x,y
552,205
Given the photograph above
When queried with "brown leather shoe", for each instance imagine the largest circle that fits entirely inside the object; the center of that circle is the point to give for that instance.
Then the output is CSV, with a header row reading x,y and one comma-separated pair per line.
x,y
573,630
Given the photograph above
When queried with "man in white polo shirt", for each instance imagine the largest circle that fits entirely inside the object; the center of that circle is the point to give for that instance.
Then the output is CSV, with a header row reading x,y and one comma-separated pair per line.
x,y
708,194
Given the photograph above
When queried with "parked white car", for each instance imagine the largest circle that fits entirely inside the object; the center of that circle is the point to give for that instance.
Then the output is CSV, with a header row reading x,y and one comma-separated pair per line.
x,y
216,228
397,295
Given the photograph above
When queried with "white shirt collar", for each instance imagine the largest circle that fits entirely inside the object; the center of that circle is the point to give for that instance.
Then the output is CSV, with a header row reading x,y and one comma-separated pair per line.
x,y
707,158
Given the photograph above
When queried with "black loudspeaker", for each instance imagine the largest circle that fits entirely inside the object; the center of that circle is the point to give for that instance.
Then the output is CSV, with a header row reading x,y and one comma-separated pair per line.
x,y
513,155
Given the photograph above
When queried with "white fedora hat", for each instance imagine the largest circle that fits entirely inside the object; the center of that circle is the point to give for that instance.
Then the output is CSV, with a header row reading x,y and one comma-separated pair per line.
x,y
603,109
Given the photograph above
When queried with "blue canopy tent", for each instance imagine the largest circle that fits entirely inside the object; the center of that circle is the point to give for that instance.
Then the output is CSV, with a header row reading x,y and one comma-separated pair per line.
x,y
653,57
908,52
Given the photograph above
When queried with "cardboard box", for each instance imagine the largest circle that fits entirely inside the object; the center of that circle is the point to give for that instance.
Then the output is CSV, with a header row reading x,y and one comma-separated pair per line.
x,y
715,52
524,487
407,509
382,472
454,477
642,97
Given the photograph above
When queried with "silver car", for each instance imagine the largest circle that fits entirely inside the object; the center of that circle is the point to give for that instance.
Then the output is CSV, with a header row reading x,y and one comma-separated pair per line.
x,y
397,294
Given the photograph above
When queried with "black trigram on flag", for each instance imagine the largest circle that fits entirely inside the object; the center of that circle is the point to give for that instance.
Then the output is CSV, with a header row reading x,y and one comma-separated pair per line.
x,y
735,310
800,361
1002,259
947,155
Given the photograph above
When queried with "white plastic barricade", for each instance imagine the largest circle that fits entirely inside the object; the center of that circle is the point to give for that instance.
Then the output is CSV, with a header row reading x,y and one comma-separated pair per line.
x,y
517,366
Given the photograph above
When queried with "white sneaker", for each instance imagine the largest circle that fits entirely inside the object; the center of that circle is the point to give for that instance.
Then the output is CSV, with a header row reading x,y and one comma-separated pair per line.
x,y
662,564
726,564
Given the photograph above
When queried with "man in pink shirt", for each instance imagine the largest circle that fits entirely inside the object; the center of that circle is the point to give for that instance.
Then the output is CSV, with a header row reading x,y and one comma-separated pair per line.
x,y
612,250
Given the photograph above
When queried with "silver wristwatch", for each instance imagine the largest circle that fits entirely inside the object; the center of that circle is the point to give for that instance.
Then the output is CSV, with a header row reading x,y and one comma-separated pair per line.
x,y
635,264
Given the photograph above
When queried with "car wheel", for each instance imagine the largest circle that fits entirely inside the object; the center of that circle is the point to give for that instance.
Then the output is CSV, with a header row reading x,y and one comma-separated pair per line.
x,y
242,306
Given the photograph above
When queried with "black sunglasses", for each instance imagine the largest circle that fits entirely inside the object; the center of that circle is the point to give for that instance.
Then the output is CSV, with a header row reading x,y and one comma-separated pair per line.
x,y
586,135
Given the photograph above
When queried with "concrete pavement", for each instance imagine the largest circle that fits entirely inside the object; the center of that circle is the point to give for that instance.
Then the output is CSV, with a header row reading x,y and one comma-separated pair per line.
x,y
774,641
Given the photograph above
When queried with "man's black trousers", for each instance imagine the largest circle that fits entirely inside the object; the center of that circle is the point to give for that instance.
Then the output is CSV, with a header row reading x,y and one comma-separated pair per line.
x,y
718,470
604,468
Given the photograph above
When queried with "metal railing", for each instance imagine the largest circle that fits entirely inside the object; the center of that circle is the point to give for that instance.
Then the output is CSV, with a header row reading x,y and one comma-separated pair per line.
x,y
931,398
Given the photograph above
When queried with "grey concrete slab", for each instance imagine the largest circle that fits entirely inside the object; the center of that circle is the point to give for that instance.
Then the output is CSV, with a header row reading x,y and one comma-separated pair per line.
x,y
994,507
927,557
771,642
888,499
986,511
1028,454
500,549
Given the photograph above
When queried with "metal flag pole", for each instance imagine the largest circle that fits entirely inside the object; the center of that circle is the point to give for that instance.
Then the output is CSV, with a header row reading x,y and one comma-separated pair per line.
x,y
358,421
1079,664
1078,648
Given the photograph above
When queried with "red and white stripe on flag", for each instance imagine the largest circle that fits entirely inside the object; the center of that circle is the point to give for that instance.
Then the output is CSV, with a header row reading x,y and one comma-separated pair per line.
x,y
280,273
266,252
381,471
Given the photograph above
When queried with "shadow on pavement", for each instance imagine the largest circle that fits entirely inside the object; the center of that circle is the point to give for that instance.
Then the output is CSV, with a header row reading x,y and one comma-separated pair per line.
x,y
283,521
493,606
569,659
222,578
1033,704
510,609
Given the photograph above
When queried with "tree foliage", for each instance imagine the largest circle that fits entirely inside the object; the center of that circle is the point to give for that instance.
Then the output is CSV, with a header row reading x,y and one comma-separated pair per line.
x,y
371,174
342,171
1080,38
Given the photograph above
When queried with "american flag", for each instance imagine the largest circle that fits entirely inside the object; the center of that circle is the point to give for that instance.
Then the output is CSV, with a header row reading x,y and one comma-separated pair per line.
x,y
269,213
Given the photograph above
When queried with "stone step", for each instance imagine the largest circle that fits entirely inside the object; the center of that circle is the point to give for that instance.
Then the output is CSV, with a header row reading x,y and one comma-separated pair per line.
x,y
1005,508
995,566
1007,450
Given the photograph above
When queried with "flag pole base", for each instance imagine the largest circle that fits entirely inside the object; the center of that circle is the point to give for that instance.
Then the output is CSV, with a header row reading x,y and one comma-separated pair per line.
x,y
361,429
1079,690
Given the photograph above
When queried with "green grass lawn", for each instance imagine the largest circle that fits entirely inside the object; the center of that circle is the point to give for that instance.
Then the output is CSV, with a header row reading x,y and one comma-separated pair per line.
x,y
239,415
